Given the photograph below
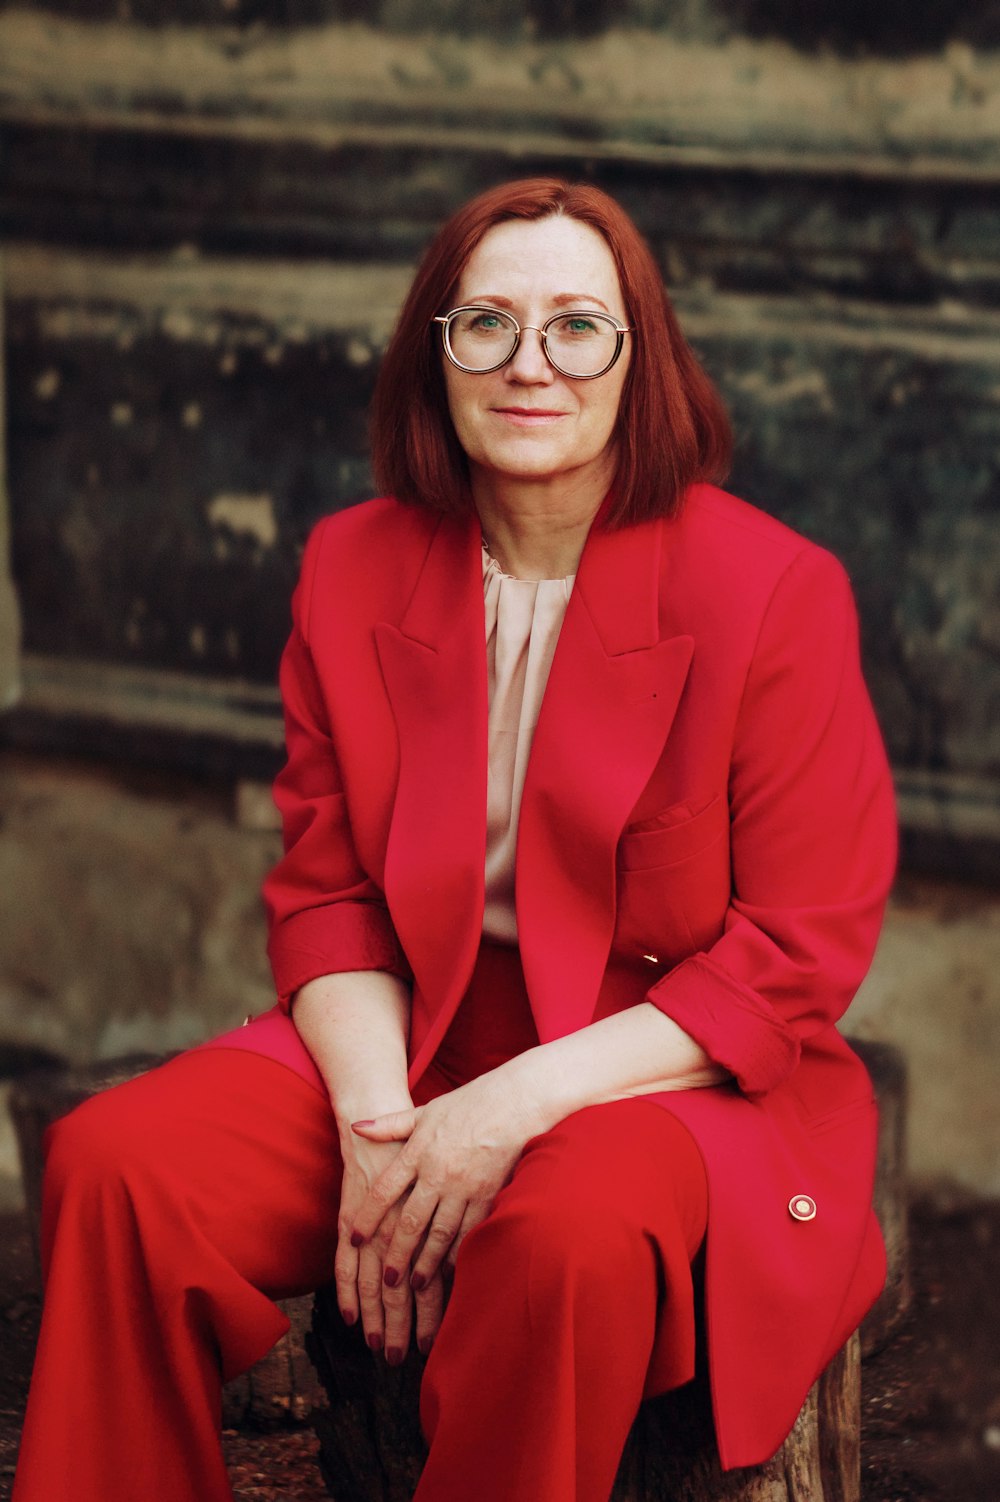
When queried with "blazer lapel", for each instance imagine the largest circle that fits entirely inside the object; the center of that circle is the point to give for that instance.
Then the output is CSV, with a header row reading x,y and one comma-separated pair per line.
x,y
434,666
611,697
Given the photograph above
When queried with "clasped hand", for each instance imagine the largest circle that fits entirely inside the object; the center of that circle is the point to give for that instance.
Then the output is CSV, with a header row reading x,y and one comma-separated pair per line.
x,y
406,1210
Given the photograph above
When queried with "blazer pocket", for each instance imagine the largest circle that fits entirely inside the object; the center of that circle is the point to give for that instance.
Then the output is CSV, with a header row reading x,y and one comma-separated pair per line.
x,y
674,884
829,1121
674,835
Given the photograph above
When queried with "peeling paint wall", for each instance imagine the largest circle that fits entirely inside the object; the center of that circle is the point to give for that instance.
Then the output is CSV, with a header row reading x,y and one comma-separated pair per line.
x,y
10,634
211,226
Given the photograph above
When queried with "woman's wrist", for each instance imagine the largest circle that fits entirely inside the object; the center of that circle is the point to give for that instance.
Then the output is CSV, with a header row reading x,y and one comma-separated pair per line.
x,y
367,1105
534,1086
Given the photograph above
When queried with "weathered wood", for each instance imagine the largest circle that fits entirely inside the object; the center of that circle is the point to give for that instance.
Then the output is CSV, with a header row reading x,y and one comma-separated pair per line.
x,y
887,1068
371,1448
283,1385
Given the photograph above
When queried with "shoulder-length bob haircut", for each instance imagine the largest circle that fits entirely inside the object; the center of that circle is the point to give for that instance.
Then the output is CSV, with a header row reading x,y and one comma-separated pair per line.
x,y
672,428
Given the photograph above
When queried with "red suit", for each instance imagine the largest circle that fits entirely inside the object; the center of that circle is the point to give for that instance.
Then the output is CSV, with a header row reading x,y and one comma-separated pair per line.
x,y
707,823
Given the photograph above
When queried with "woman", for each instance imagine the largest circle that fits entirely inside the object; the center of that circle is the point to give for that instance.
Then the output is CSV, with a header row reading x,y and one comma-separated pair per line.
x,y
573,1012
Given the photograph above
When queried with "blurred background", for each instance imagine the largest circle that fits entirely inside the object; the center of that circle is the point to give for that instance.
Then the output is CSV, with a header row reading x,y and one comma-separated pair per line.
x,y
210,210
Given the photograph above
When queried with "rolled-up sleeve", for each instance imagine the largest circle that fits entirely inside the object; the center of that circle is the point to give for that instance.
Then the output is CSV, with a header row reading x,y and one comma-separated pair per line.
x,y
813,840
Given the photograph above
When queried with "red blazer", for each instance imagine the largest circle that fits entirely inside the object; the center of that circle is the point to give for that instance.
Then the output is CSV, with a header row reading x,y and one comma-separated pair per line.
x,y
707,823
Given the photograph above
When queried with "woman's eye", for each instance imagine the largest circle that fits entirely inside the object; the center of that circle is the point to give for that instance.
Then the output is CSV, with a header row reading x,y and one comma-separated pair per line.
x,y
579,326
486,323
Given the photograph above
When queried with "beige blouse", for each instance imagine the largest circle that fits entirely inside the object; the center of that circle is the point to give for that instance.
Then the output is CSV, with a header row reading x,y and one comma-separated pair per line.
x,y
523,620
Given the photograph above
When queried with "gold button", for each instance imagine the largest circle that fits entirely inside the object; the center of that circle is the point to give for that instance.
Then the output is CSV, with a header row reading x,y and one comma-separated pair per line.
x,y
802,1207
651,959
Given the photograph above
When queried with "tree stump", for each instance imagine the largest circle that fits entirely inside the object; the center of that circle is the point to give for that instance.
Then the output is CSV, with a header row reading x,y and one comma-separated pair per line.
x,y
372,1450
283,1386
887,1068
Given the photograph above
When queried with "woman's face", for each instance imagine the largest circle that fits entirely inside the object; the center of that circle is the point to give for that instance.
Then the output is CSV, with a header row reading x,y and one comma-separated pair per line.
x,y
526,421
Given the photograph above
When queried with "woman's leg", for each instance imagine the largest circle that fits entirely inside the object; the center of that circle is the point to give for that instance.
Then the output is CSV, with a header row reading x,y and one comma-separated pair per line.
x,y
577,1281
176,1206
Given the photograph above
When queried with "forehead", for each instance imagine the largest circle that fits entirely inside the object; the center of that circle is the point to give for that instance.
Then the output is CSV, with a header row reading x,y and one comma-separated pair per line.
x,y
541,258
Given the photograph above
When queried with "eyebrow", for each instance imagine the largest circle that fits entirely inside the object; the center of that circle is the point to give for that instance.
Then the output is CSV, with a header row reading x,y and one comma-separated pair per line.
x,y
561,300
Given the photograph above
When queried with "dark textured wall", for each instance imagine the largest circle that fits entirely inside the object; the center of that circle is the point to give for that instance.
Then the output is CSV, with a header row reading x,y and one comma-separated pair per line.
x,y
894,26
209,231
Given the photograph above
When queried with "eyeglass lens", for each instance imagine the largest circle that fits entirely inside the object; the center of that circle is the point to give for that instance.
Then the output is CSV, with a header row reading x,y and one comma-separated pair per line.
x,y
577,343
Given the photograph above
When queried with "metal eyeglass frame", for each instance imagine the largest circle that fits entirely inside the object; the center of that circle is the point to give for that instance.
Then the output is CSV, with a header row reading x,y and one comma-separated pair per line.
x,y
445,320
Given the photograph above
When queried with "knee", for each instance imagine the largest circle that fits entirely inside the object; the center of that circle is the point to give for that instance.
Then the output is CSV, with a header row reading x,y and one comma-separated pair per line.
x,y
609,1193
90,1147
561,1218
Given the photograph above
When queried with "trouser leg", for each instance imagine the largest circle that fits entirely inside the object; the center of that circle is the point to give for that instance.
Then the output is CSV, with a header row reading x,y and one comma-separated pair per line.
x,y
174,1206
579,1277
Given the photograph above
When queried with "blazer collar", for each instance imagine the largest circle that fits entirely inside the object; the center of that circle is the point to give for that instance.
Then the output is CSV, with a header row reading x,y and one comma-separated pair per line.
x,y
611,696
434,667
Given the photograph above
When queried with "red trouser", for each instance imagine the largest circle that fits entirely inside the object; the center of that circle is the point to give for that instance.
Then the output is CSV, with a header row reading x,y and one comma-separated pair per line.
x,y
179,1205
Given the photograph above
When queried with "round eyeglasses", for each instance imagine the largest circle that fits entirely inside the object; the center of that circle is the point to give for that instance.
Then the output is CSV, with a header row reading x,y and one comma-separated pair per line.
x,y
579,343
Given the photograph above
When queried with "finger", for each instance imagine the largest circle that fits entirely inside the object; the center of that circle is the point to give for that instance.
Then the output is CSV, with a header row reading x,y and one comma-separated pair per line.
x,y
474,1215
345,1277
396,1126
383,1194
448,1218
397,1306
415,1214
429,1310
370,1297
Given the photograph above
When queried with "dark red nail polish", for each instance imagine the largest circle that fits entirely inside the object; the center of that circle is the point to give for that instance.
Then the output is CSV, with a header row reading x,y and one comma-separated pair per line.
x,y
357,1239
424,1344
375,1342
348,1316
390,1277
394,1356
417,1282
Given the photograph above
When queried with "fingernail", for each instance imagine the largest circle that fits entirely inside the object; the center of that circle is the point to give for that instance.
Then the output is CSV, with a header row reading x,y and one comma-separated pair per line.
x,y
357,1239
375,1342
362,1123
390,1277
394,1356
418,1281
348,1316
424,1344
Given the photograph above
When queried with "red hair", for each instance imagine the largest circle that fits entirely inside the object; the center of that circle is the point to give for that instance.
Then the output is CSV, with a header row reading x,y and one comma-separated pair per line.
x,y
672,428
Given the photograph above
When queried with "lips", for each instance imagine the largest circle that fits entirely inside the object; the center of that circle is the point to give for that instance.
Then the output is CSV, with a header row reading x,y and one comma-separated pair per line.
x,y
528,414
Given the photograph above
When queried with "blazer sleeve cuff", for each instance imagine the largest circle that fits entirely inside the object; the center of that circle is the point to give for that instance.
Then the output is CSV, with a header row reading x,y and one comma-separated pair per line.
x,y
733,1024
330,939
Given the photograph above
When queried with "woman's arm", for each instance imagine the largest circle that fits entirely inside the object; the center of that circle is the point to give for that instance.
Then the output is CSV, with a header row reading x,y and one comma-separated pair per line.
x,y
325,913
812,840
338,965
461,1148
355,1024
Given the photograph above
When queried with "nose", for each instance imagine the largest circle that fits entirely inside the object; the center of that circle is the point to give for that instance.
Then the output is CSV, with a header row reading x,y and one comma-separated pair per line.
x,y
528,363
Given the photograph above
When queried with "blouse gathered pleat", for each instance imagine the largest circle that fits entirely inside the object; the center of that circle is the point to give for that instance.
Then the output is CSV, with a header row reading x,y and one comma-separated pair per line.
x,y
523,621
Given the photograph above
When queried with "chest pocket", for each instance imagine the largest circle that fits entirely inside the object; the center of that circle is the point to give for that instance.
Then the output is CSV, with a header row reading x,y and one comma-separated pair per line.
x,y
673,882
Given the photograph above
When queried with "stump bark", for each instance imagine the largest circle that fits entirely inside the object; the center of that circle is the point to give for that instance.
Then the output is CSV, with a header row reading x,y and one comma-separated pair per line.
x,y
283,1386
887,1068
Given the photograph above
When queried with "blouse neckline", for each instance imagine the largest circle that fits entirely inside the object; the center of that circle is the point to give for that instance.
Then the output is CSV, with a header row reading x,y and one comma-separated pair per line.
x,y
492,569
